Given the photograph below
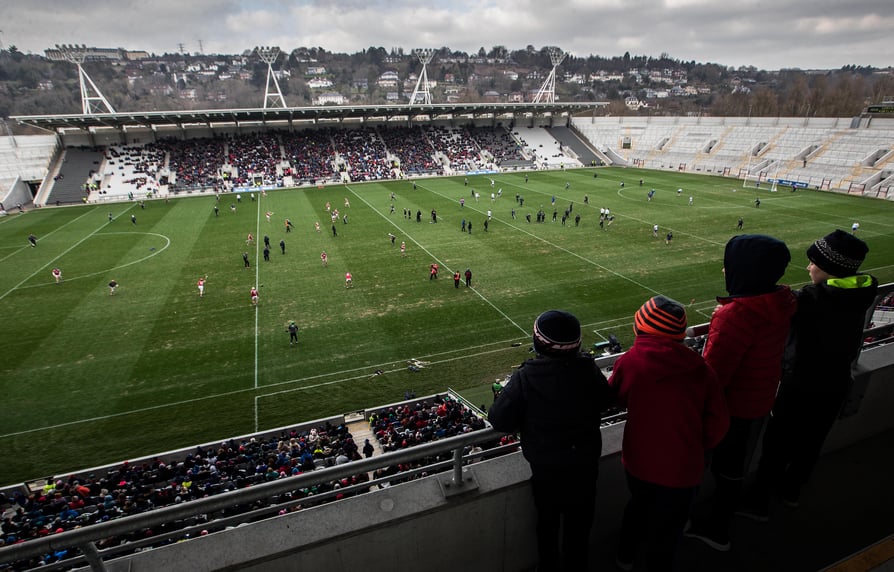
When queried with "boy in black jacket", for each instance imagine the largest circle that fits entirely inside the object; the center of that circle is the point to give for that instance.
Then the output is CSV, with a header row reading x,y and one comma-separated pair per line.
x,y
551,400
825,341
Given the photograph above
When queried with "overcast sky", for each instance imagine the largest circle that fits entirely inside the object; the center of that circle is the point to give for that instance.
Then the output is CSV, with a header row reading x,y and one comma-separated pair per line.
x,y
768,34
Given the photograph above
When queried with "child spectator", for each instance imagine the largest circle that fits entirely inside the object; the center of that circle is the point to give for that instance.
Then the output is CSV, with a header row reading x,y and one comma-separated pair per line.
x,y
825,340
745,342
664,447
551,400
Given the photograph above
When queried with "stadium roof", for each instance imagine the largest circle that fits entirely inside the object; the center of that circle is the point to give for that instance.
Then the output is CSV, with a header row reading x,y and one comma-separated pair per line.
x,y
326,114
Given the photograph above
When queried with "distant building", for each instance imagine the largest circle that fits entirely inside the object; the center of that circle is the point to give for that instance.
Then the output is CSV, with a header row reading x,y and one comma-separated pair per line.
x,y
90,54
388,79
330,98
319,83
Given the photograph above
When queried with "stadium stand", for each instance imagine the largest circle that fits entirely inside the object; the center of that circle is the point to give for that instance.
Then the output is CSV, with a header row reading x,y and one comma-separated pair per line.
x,y
129,171
72,174
27,157
461,151
310,154
362,155
821,154
412,149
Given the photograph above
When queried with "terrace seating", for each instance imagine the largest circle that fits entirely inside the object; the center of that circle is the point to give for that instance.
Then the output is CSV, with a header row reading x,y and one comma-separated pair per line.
x,y
413,148
499,143
310,154
77,167
133,487
456,145
362,154
131,170
193,163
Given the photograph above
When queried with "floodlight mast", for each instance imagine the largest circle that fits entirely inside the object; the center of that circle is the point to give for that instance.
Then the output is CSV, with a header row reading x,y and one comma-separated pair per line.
x,y
547,92
421,94
272,97
94,101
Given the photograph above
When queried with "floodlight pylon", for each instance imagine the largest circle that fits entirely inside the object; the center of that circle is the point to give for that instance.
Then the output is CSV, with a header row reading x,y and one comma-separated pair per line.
x,y
273,97
92,100
421,94
547,92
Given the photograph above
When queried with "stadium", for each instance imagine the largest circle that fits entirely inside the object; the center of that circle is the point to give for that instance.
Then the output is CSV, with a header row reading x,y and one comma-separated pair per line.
x,y
134,389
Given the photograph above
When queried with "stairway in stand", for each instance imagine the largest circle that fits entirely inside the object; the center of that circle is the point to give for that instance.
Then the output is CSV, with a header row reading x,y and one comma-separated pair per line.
x,y
359,429
361,432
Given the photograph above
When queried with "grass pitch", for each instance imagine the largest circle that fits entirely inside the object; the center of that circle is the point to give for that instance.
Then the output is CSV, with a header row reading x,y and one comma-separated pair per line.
x,y
90,378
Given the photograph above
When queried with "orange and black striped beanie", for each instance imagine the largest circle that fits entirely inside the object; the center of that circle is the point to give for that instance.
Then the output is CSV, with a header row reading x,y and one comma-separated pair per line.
x,y
661,316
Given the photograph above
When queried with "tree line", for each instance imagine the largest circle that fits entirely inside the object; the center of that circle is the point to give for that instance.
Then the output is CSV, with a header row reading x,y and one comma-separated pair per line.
x,y
33,85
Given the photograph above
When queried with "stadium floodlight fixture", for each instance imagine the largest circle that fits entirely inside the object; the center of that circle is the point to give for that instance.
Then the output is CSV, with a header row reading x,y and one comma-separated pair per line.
x,y
272,95
547,92
421,93
92,100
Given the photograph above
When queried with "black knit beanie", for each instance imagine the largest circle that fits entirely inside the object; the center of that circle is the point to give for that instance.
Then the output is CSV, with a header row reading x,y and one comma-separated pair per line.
x,y
754,263
838,254
556,333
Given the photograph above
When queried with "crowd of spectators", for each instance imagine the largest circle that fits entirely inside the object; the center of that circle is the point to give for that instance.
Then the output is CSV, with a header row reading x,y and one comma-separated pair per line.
x,y
411,424
254,156
130,488
407,425
362,154
310,155
307,156
457,145
499,143
412,147
194,163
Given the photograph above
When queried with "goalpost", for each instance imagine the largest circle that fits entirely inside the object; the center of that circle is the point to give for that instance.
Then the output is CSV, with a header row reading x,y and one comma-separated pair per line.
x,y
760,180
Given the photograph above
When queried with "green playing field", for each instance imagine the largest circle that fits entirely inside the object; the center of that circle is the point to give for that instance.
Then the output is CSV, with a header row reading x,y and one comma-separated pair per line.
x,y
90,378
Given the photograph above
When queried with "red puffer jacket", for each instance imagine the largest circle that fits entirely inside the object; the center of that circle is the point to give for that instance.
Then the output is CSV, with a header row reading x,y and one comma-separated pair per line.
x,y
746,340
675,411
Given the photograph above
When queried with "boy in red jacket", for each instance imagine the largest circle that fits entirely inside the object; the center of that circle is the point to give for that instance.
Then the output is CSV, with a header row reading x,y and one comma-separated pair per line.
x,y
675,412
746,339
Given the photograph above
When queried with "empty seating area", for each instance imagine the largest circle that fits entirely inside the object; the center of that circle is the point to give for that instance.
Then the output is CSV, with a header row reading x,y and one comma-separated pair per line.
x,y
78,165
544,150
821,152
26,157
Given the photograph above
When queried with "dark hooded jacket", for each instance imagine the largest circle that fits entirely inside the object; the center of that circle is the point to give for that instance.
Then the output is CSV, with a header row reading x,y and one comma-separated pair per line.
x,y
748,331
675,411
827,332
553,402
